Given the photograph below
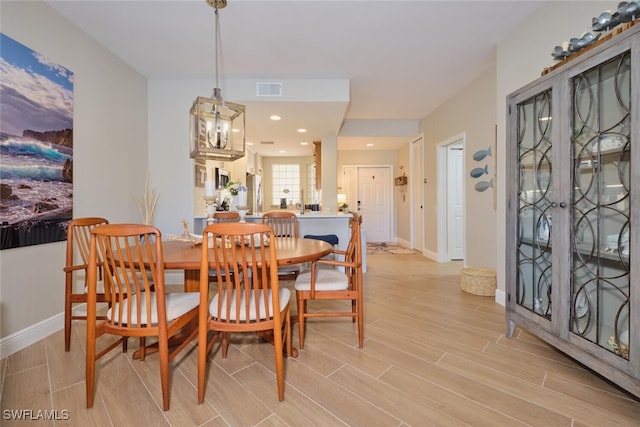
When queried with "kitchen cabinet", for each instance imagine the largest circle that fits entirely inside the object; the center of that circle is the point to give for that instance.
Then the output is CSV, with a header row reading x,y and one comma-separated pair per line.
x,y
573,209
317,160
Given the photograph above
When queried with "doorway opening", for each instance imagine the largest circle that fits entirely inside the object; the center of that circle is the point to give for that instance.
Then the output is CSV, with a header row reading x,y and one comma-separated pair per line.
x,y
417,194
451,197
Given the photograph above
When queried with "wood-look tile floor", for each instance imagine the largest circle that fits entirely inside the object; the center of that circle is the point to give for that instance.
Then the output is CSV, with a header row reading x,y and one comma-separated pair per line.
x,y
433,355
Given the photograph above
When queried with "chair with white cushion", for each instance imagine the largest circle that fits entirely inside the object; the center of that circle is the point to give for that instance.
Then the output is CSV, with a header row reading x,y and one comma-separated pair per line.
x,y
220,217
77,260
334,284
248,297
285,225
226,216
133,266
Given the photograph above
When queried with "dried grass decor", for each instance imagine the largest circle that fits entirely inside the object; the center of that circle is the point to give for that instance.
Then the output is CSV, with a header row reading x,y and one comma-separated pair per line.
x,y
147,202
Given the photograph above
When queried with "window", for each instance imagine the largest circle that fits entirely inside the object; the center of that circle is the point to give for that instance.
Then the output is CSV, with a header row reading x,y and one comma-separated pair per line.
x,y
285,177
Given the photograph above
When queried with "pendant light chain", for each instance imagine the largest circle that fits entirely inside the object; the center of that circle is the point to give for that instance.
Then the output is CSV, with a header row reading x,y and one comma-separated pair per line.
x,y
217,41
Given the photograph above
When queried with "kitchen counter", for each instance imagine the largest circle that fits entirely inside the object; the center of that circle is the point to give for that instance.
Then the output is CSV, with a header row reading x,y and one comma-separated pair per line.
x,y
308,223
316,223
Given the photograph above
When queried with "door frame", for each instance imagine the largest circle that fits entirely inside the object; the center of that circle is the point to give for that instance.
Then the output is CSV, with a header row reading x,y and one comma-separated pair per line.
x,y
441,149
416,194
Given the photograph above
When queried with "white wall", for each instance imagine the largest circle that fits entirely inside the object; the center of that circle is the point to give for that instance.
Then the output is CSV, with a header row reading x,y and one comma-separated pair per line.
x,y
466,113
402,196
110,156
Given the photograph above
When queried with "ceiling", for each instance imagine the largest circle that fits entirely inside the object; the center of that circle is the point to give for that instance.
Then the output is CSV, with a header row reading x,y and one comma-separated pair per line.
x,y
402,59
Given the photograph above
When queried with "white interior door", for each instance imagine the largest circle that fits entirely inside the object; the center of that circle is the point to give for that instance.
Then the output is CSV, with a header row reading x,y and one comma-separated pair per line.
x,y
455,201
417,197
374,202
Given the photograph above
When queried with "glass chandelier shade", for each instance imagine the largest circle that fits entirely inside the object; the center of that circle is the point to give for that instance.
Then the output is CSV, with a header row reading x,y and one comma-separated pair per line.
x,y
217,127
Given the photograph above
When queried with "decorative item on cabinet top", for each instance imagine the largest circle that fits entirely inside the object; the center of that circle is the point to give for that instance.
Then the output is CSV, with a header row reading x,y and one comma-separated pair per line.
x,y
626,15
401,180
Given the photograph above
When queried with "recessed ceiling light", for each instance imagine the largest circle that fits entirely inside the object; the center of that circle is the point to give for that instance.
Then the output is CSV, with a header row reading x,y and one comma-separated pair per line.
x,y
235,130
249,143
304,143
302,130
282,151
275,117
369,145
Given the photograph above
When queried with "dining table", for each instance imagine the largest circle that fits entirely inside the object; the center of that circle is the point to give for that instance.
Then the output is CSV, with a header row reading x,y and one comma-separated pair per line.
x,y
180,255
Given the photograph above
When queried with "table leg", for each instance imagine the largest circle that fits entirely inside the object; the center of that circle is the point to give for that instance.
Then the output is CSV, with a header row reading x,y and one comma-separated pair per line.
x,y
192,280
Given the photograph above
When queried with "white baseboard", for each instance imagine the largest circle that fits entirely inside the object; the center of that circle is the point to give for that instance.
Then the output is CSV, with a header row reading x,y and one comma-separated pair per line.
x,y
30,335
432,255
34,333
501,297
403,243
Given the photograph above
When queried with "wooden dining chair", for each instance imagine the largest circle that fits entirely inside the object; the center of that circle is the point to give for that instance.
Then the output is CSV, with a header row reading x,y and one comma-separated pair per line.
x,y
284,224
140,307
226,216
335,284
221,217
77,260
248,297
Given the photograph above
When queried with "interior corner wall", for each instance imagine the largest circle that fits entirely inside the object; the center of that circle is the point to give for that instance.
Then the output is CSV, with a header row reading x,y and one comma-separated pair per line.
x,y
402,197
465,113
110,156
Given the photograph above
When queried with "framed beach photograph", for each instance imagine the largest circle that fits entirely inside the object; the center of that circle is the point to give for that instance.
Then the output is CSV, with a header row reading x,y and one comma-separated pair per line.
x,y
36,141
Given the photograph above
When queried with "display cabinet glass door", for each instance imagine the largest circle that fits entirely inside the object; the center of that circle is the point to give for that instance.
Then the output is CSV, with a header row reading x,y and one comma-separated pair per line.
x,y
534,204
600,205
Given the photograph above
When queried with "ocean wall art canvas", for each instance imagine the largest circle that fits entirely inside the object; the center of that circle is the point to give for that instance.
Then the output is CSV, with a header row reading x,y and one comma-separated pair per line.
x,y
36,147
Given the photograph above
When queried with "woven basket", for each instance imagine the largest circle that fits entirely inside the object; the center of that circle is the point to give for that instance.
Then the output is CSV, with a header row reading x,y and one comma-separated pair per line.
x,y
478,281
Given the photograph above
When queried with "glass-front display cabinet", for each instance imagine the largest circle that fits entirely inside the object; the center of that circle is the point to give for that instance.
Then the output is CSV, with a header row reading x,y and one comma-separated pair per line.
x,y
573,211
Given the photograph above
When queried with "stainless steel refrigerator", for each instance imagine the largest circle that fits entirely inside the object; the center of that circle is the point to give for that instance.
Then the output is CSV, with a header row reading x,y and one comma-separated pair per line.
x,y
255,193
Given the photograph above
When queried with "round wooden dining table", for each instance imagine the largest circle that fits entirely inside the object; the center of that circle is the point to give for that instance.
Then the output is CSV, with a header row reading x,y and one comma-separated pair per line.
x,y
185,256
179,255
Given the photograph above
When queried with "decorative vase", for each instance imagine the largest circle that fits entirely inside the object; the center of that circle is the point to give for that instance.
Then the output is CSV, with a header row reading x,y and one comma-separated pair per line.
x,y
242,196
243,214
233,203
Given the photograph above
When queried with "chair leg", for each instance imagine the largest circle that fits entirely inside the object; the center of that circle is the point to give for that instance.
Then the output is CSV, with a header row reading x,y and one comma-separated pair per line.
x,y
143,350
277,345
224,344
163,347
360,324
90,374
67,317
203,347
301,311
287,332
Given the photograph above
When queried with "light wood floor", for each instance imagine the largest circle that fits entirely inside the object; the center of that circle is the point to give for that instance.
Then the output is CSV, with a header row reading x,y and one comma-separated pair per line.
x,y
433,356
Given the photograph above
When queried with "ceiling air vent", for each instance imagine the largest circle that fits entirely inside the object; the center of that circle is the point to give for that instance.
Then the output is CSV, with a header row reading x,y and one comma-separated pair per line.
x,y
267,142
268,89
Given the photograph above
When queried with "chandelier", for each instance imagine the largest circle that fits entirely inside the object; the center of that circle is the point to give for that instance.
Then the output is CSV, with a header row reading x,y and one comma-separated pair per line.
x,y
217,127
